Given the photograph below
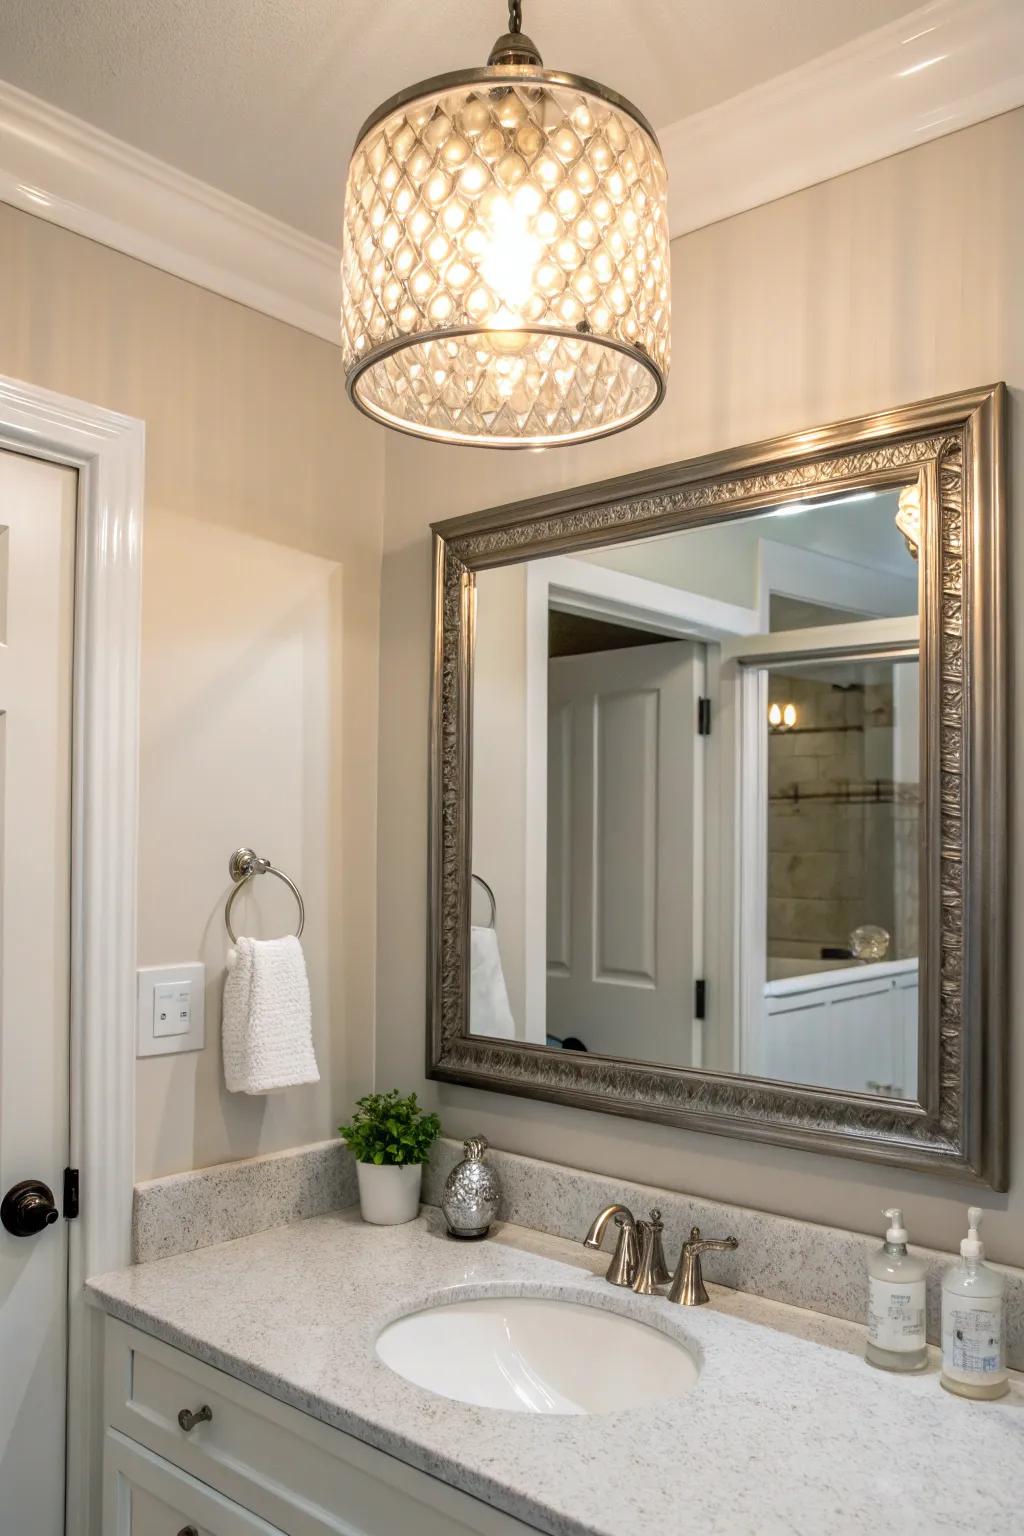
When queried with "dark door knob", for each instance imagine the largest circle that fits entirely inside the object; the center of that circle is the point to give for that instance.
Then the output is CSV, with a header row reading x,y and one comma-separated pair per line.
x,y
28,1208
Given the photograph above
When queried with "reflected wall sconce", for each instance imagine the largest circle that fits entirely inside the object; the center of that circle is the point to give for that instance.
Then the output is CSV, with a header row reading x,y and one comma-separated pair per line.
x,y
908,517
782,717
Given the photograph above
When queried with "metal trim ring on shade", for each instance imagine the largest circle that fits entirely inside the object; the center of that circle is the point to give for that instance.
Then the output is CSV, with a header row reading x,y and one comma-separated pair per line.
x,y
243,865
402,343
499,74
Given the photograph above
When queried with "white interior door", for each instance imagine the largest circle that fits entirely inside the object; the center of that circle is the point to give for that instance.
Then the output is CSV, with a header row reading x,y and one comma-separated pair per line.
x,y
37,544
625,865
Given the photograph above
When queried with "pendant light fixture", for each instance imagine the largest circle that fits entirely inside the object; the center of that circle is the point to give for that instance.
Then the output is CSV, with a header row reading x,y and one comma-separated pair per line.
x,y
505,257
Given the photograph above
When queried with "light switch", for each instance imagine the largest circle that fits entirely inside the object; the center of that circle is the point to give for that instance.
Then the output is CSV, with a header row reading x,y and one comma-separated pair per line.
x,y
170,1009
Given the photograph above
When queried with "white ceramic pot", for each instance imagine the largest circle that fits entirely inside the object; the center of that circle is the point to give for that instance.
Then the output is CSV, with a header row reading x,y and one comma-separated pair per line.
x,y
389,1196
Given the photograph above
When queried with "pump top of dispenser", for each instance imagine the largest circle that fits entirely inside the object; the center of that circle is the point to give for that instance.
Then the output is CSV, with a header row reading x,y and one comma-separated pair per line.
x,y
896,1236
971,1247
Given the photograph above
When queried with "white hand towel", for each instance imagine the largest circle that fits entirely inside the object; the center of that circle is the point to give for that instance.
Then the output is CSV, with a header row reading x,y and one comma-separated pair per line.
x,y
489,1011
266,1028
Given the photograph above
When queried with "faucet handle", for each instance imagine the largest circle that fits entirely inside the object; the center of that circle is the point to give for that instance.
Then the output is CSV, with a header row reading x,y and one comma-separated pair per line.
x,y
699,1245
643,1282
688,1288
660,1272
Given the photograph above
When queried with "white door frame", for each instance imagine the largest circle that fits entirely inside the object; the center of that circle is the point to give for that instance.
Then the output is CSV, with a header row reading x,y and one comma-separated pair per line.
x,y
107,450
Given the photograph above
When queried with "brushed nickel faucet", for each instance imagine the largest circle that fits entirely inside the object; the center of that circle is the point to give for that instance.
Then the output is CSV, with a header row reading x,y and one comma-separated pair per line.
x,y
687,1288
639,1257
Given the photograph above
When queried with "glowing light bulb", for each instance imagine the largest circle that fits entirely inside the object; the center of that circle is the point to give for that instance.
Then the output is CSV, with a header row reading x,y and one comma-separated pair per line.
x,y
507,264
789,716
774,715
507,340
512,253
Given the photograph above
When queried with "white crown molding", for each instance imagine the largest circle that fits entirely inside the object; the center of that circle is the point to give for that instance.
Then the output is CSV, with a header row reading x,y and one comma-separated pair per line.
x,y
940,68
62,169
860,103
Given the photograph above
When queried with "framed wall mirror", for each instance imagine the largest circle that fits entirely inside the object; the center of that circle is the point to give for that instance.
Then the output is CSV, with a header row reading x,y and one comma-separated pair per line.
x,y
718,809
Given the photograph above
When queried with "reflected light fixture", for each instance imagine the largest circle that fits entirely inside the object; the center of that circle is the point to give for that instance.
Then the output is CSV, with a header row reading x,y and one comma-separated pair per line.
x,y
782,717
908,517
505,257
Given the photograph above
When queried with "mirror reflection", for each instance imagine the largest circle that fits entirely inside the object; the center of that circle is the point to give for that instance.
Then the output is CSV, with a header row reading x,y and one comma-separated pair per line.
x,y
652,717
842,839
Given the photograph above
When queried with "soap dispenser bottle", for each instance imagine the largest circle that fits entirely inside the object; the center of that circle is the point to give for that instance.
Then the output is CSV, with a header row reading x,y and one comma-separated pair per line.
x,y
896,1303
973,1340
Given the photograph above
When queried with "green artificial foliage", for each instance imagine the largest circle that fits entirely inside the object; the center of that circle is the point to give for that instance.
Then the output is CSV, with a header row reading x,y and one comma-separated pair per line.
x,y
389,1131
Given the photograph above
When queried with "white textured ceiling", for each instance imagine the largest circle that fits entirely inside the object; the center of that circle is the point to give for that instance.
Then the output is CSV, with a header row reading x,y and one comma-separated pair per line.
x,y
262,98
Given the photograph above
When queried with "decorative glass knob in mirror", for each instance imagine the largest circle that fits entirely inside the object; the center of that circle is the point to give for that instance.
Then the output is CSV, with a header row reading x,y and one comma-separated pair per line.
x,y
869,942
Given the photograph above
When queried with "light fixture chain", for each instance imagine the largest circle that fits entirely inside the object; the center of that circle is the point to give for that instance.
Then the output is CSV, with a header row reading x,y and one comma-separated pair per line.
x,y
515,16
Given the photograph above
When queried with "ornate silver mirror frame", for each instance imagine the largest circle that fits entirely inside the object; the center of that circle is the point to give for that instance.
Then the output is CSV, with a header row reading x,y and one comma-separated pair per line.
x,y
955,447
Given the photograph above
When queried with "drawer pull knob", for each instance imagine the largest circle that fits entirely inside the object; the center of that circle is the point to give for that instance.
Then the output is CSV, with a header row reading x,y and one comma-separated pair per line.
x,y
188,1421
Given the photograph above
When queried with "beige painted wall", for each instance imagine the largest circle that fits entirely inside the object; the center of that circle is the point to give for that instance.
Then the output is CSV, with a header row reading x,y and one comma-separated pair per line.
x,y
899,281
261,559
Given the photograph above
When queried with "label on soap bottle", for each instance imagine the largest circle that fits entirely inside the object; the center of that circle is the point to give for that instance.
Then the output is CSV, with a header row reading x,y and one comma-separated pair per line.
x,y
972,1338
896,1315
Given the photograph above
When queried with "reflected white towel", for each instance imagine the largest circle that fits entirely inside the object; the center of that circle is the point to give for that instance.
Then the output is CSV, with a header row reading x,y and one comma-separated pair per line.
x,y
267,1023
489,1011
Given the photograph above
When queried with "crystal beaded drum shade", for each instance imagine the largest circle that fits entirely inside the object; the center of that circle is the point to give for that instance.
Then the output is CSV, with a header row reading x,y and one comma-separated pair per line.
x,y
505,261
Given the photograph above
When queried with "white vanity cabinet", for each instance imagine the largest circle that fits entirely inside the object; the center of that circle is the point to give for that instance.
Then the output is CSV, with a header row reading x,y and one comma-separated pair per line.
x,y
254,1467
853,1029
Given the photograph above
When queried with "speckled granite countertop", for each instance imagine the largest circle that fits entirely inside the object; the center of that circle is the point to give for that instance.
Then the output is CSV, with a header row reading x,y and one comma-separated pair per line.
x,y
787,1430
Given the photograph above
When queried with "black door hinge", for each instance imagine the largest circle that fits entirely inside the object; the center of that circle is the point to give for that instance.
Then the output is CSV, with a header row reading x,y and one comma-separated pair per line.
x,y
70,1193
703,717
700,999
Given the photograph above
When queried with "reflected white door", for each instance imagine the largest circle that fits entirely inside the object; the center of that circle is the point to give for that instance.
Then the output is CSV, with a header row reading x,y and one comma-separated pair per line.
x,y
624,850
37,541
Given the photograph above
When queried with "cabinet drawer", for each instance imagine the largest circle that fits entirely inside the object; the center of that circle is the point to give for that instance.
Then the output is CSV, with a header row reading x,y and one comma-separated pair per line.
x,y
143,1495
300,1475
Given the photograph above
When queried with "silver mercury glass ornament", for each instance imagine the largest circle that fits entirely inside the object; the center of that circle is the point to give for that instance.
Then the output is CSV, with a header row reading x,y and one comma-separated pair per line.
x,y
472,1193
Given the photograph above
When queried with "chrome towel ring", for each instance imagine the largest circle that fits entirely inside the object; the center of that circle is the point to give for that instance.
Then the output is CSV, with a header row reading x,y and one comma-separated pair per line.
x,y
242,866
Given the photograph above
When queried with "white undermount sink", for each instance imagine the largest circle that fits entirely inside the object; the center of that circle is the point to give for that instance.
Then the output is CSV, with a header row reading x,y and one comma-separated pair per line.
x,y
536,1355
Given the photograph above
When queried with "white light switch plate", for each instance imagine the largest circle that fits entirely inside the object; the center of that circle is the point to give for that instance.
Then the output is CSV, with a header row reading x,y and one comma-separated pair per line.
x,y
170,1009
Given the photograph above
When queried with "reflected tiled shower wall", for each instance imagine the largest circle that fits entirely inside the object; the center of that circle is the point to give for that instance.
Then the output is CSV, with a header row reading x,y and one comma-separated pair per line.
x,y
842,826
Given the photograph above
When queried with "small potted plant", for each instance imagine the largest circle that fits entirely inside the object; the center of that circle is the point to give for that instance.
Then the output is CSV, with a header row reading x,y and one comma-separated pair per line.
x,y
390,1138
